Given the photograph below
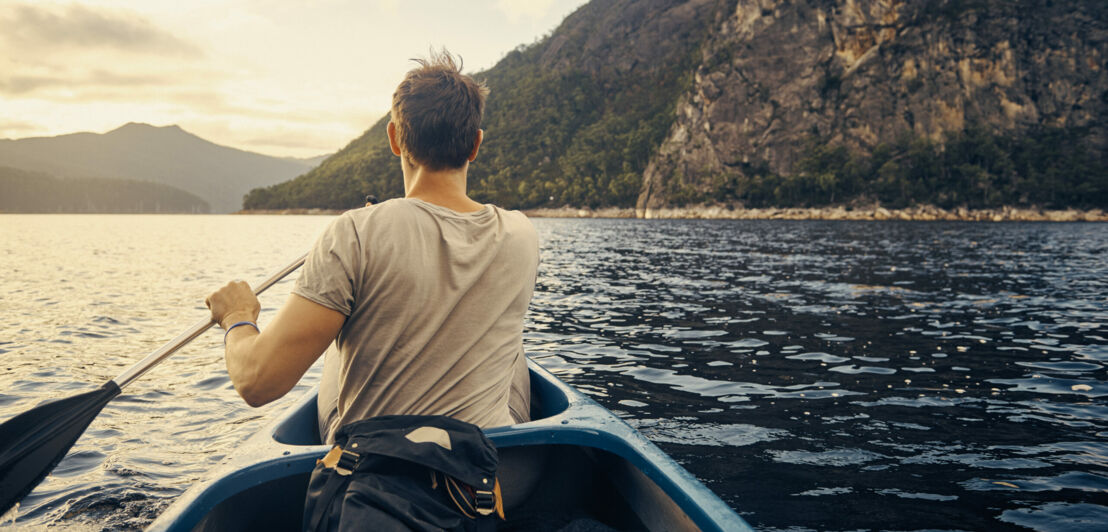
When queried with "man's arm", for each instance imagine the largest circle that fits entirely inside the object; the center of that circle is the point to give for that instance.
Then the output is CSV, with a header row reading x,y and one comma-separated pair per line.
x,y
265,366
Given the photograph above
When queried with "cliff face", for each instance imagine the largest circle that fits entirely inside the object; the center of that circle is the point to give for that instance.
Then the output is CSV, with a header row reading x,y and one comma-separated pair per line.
x,y
776,76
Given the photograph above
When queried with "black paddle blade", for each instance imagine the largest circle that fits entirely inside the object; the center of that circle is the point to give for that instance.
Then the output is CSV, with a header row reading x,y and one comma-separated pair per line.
x,y
33,442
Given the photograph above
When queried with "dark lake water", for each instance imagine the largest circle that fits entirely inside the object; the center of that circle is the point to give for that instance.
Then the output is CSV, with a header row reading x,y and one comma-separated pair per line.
x,y
816,375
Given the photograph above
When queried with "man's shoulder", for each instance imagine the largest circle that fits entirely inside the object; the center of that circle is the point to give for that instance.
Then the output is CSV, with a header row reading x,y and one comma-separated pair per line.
x,y
515,219
510,213
403,212
377,209
381,213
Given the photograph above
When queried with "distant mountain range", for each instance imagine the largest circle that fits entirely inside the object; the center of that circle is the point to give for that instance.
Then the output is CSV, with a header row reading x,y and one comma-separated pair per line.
x,y
24,191
169,156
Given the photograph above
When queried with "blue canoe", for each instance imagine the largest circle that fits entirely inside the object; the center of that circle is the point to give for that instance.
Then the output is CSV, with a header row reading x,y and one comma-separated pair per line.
x,y
589,463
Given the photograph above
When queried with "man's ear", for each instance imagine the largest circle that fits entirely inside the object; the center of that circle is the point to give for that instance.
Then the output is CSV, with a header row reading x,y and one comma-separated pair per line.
x,y
395,145
476,145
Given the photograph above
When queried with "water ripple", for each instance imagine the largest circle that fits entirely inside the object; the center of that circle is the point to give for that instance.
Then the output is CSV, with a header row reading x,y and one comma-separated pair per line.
x,y
830,458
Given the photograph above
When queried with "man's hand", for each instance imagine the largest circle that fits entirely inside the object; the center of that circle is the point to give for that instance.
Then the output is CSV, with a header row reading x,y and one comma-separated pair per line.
x,y
233,303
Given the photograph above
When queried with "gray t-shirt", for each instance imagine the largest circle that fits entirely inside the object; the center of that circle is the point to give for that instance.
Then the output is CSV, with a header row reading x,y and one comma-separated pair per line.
x,y
435,301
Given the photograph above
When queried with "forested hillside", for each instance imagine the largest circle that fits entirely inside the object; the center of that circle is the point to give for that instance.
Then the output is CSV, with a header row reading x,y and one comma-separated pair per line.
x,y
572,119
973,168
32,192
664,103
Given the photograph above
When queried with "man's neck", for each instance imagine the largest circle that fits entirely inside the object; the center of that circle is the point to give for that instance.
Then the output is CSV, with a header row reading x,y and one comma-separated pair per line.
x,y
446,188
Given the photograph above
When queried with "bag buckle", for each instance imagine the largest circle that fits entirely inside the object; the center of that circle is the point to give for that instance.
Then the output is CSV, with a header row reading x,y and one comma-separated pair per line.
x,y
484,502
342,461
347,462
471,500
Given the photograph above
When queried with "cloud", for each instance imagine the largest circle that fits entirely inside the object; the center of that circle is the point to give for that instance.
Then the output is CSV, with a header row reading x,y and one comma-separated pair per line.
x,y
72,84
16,128
17,85
391,7
80,53
274,136
517,10
303,139
32,29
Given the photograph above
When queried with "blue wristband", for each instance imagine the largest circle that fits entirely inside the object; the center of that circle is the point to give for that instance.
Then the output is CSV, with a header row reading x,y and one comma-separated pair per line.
x,y
250,323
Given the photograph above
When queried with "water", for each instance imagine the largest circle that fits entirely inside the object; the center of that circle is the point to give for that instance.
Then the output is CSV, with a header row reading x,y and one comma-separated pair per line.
x,y
817,375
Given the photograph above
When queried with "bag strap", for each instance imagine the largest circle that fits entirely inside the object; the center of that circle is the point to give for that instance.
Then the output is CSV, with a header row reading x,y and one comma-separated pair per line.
x,y
472,502
342,463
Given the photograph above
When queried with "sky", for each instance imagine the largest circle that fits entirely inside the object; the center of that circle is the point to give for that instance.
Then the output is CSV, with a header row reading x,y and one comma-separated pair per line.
x,y
286,78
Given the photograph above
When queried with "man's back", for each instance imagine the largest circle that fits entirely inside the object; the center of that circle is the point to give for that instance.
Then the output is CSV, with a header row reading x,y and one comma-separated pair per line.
x,y
435,301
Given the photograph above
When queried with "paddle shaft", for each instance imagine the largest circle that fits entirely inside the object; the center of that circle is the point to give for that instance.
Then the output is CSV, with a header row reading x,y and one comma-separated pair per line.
x,y
196,330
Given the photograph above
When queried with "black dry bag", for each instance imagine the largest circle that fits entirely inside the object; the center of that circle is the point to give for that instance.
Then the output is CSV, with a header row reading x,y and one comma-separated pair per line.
x,y
402,473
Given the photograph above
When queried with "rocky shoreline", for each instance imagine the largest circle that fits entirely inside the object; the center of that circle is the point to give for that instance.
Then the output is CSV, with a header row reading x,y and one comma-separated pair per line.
x,y
875,212
724,212
292,211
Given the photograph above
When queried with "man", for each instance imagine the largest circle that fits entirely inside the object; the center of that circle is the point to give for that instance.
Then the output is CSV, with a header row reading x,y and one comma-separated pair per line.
x,y
423,296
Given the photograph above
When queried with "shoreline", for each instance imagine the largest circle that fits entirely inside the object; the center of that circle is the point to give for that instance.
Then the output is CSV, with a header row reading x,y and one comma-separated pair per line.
x,y
723,212
873,212
290,211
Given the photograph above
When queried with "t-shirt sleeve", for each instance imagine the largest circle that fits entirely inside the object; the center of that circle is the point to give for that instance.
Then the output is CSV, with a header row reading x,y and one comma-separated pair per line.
x,y
330,271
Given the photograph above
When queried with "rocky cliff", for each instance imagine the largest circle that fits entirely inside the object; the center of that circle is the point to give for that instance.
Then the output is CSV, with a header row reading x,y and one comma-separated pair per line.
x,y
778,76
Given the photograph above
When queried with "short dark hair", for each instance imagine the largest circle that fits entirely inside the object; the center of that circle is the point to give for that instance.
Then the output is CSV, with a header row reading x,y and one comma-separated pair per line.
x,y
437,112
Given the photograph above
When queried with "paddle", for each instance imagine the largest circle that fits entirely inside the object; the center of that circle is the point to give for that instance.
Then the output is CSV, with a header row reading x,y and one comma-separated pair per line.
x,y
33,442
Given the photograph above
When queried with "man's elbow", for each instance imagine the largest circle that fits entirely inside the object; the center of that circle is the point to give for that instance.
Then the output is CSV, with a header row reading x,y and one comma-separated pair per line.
x,y
253,382
255,396
255,402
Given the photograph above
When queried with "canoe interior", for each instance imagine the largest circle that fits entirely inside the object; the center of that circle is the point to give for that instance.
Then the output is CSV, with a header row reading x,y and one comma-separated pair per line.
x,y
576,483
574,460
